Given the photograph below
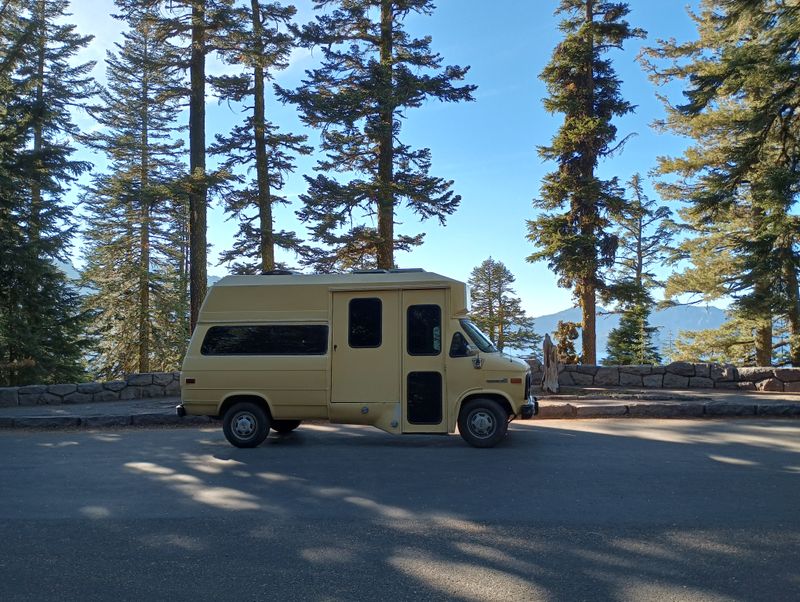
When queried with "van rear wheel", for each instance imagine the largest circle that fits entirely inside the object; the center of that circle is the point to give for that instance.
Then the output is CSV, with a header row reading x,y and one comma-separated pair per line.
x,y
284,426
246,424
482,422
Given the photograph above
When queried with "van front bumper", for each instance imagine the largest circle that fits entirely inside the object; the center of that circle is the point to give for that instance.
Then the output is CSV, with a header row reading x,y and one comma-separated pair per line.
x,y
530,409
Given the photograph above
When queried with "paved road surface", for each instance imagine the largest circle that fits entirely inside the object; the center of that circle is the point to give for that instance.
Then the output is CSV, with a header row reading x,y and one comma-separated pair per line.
x,y
563,510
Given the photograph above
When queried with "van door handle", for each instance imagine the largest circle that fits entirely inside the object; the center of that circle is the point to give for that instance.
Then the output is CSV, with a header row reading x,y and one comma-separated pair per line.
x,y
335,347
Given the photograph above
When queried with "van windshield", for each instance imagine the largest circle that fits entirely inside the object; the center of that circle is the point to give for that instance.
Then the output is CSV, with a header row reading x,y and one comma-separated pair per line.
x,y
481,341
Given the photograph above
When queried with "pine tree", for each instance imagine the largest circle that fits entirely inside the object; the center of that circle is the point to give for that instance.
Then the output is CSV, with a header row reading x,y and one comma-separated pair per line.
x,y
40,318
203,24
566,334
132,266
372,72
572,232
497,310
644,231
262,45
742,85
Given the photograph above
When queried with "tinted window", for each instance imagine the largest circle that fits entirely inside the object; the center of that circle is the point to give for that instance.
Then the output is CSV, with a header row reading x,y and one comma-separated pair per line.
x,y
275,339
424,330
364,328
424,398
458,346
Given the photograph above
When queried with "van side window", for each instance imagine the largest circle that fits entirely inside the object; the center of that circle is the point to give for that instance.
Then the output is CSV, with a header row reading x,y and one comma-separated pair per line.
x,y
459,345
364,326
424,324
273,339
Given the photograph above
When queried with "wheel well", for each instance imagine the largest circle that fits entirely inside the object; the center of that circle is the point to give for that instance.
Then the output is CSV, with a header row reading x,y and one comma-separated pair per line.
x,y
498,398
237,398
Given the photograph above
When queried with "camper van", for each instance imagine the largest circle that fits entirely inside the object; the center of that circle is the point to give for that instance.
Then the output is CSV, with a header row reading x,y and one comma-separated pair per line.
x,y
392,349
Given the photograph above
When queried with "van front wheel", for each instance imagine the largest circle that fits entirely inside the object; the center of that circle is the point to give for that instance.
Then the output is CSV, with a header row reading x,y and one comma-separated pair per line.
x,y
246,424
482,422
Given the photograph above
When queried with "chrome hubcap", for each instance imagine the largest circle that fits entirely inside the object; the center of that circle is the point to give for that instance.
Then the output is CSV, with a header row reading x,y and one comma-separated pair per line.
x,y
481,424
244,425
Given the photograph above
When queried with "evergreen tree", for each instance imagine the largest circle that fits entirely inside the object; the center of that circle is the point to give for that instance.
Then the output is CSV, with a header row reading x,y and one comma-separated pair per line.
x,y
644,231
742,84
203,24
572,232
372,72
496,309
132,266
566,334
40,318
262,45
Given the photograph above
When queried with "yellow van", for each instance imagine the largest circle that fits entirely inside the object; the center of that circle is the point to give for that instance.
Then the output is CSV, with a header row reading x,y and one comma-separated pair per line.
x,y
390,348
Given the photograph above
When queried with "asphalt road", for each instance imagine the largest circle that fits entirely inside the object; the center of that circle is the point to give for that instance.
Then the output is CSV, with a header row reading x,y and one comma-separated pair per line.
x,y
562,510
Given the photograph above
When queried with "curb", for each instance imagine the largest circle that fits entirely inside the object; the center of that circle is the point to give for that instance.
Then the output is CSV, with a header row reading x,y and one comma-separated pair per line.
x,y
714,409
64,422
546,412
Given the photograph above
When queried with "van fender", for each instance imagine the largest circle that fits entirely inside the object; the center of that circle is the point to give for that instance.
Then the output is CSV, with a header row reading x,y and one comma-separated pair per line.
x,y
472,393
232,396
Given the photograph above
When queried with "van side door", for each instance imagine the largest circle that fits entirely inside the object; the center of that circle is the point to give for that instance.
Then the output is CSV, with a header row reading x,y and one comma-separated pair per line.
x,y
423,376
365,365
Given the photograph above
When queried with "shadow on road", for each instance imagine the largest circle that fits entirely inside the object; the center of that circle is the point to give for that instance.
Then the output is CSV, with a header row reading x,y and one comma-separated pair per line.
x,y
594,510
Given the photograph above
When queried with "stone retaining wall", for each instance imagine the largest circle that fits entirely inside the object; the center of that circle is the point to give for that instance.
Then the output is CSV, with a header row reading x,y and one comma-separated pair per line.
x,y
677,375
135,386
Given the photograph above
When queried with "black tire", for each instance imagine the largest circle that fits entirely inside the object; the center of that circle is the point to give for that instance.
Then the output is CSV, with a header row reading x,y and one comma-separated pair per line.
x,y
482,422
284,426
246,424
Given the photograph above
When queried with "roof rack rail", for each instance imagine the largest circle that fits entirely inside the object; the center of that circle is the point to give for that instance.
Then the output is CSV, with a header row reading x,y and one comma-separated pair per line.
x,y
370,272
279,273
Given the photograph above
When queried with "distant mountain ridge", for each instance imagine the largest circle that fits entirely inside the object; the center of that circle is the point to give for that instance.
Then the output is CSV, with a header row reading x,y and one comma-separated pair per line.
x,y
670,322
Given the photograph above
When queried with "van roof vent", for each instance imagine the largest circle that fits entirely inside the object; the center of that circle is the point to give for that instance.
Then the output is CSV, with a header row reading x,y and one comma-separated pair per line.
x,y
390,271
279,273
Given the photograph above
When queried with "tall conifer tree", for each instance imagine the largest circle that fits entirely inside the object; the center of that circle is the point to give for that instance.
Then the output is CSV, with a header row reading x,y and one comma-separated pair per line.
x,y
742,90
572,233
372,72
262,44
40,320
644,230
134,210
497,310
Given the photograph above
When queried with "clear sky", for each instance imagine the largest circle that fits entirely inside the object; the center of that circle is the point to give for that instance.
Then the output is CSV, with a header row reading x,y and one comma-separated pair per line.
x,y
488,147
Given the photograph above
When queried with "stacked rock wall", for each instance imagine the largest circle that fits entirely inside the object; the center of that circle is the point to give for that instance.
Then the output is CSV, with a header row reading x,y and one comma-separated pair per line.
x,y
135,386
677,375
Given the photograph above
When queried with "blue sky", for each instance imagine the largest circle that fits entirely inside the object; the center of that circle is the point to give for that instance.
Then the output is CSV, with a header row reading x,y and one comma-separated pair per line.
x,y
488,147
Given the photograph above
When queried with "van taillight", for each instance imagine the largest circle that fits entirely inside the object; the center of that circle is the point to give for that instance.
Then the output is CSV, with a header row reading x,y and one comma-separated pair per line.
x,y
189,381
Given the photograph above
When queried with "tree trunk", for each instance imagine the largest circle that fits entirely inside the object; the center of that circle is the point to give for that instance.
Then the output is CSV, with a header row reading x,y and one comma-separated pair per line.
x,y
549,366
198,279
144,240
37,167
793,308
588,218
588,326
385,251
267,242
763,343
